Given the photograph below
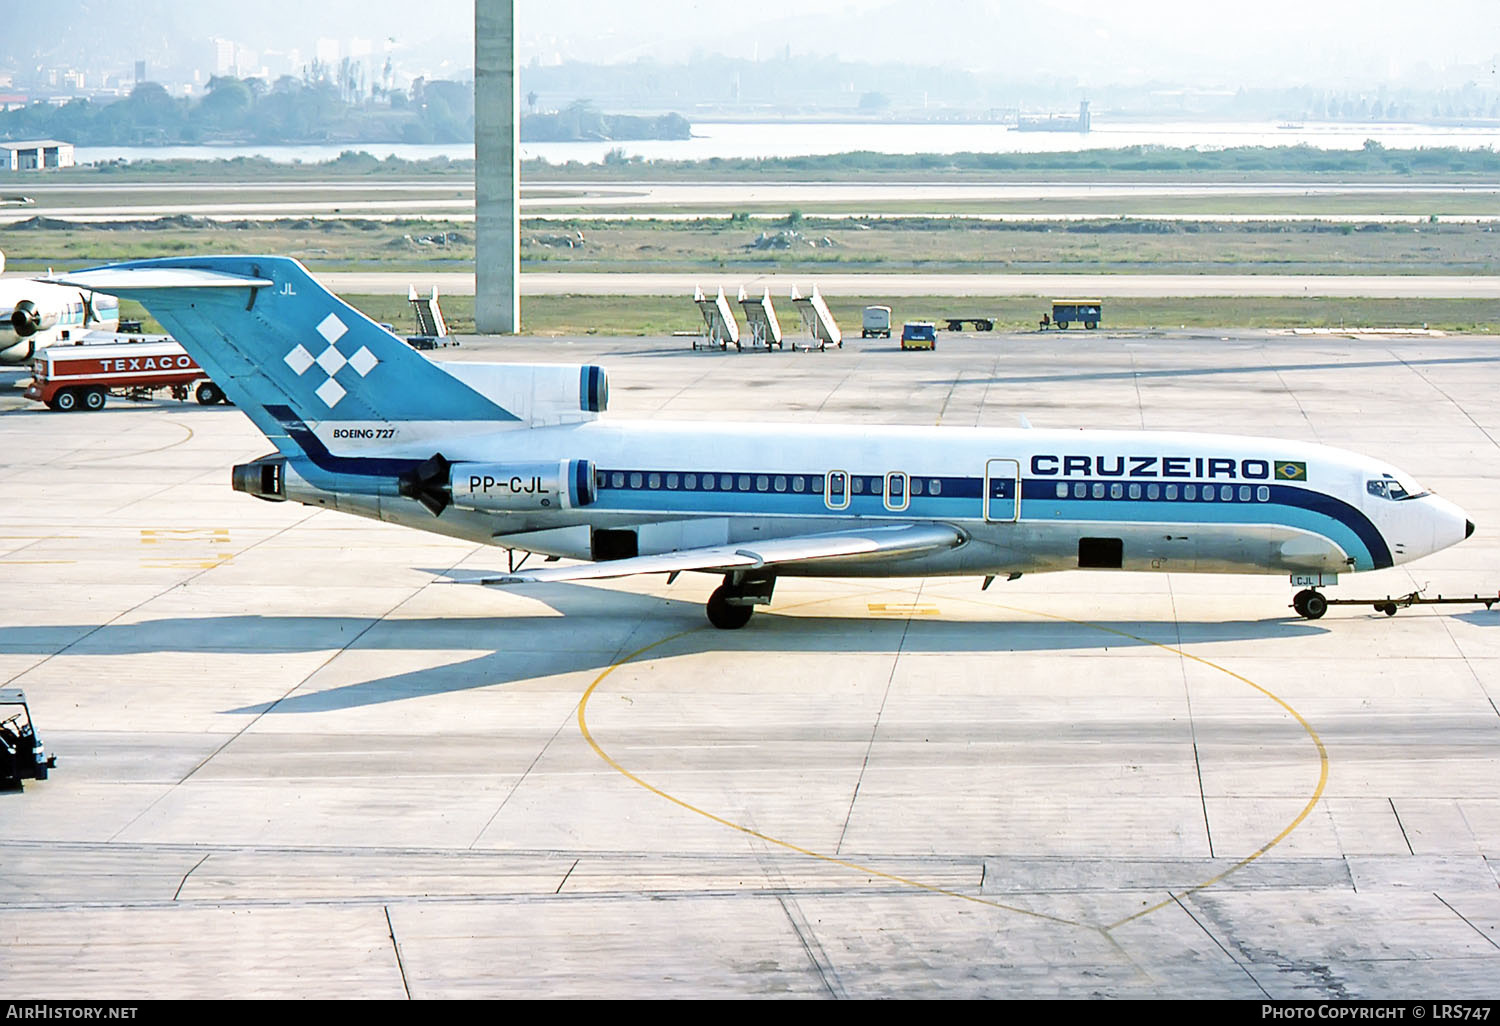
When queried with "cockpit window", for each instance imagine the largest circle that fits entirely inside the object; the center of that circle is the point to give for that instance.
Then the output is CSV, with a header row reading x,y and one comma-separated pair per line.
x,y
1391,487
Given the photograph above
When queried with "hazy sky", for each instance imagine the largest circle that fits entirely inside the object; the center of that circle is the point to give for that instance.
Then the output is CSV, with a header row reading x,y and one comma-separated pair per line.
x,y
1190,42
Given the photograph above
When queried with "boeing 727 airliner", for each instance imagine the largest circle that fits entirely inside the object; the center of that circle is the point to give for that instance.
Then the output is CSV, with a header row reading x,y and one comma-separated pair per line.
x,y
520,456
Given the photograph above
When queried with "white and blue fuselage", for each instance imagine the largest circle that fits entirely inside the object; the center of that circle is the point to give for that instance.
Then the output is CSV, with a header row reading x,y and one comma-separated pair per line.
x,y
521,456
1025,500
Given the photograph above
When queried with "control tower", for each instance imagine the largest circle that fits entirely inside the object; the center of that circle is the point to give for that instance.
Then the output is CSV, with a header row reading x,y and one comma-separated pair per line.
x,y
497,170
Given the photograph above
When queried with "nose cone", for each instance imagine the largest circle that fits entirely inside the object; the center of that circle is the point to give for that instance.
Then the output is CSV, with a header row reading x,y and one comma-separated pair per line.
x,y
1450,524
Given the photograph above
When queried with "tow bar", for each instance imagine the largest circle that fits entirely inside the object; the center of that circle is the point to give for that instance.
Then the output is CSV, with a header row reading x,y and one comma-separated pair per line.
x,y
1314,609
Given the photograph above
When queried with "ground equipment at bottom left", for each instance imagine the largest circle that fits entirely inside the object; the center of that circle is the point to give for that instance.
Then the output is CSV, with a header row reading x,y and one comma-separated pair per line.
x,y
22,755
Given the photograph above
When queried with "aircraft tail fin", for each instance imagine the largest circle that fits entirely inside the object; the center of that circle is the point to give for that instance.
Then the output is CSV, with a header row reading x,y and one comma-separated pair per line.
x,y
273,338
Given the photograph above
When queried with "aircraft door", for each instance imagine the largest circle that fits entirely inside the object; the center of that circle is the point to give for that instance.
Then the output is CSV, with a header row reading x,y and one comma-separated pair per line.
x,y
836,489
1002,491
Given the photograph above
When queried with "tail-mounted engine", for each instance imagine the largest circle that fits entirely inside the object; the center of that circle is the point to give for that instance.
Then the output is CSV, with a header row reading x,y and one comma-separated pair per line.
x,y
522,487
500,487
428,484
265,478
28,318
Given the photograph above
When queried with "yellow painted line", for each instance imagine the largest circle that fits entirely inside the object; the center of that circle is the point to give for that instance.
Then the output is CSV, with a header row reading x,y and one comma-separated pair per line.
x,y
588,736
1317,741
184,564
916,884
106,457
210,536
902,609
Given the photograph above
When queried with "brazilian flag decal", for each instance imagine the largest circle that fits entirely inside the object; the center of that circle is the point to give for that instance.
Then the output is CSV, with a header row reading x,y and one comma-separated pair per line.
x,y
1287,470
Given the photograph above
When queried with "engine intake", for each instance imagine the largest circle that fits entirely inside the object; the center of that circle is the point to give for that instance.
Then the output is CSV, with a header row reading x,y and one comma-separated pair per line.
x,y
27,319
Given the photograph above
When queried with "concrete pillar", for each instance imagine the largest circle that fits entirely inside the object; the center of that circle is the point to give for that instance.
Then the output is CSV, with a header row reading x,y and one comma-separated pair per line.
x,y
497,170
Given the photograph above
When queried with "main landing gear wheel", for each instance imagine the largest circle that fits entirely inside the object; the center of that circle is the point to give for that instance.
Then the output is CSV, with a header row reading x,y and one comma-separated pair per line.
x,y
208,393
1309,604
725,616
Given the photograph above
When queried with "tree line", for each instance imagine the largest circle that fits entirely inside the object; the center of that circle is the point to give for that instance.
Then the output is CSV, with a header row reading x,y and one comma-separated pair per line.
x,y
293,110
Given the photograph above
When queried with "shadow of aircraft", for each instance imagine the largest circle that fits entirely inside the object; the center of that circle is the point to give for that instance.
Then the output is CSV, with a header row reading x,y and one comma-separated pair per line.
x,y
597,627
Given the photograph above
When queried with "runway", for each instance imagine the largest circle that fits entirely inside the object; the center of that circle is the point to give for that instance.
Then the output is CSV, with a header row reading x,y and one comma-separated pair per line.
x,y
294,764
451,198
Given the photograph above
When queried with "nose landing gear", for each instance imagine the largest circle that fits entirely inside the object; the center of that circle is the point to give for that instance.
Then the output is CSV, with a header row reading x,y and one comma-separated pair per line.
x,y
1309,604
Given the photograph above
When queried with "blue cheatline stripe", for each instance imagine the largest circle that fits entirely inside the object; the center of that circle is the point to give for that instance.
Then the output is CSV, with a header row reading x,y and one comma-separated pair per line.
x,y
1299,508
363,466
1370,551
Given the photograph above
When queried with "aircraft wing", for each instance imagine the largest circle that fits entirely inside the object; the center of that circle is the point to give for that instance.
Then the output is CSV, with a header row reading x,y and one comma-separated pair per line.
x,y
874,543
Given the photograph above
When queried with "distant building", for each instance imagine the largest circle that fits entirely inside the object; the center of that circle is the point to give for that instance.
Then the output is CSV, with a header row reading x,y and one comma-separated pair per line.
x,y
34,156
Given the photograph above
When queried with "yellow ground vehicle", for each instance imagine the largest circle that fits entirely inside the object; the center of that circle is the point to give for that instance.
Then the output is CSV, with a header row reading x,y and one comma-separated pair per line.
x,y
918,335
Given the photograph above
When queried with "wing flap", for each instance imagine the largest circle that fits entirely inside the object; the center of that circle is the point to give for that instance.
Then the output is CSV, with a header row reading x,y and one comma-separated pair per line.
x,y
895,542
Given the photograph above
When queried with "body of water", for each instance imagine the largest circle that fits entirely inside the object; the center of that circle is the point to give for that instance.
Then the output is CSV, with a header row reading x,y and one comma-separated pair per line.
x,y
794,139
